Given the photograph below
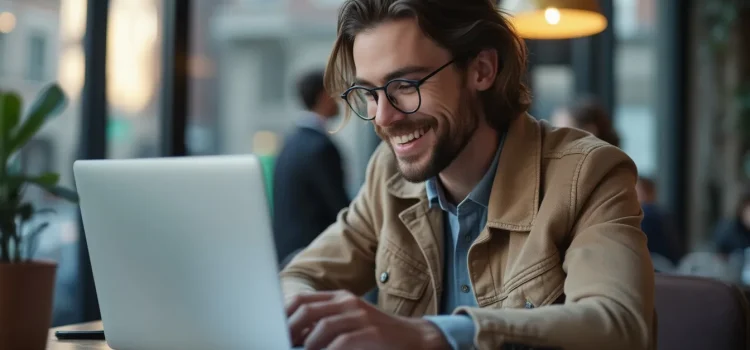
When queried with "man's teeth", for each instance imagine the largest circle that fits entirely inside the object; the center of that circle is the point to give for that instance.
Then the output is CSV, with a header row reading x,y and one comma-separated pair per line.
x,y
401,139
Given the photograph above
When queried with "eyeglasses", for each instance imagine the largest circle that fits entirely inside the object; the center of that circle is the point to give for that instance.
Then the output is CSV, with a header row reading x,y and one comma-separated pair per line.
x,y
403,94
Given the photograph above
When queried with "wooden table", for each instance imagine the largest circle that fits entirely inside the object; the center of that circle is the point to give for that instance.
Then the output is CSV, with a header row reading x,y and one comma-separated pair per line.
x,y
54,344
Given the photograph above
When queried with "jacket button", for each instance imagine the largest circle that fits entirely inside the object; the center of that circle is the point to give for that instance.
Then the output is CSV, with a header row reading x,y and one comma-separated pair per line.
x,y
465,288
384,277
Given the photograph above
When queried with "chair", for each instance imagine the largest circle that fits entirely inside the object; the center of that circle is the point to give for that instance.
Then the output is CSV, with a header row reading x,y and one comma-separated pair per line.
x,y
662,264
700,313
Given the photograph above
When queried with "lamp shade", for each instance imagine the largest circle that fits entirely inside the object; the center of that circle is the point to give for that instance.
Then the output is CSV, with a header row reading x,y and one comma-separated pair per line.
x,y
555,19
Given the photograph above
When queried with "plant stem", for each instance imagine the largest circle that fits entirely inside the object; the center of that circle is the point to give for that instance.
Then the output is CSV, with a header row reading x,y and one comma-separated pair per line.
x,y
8,230
18,240
16,249
4,249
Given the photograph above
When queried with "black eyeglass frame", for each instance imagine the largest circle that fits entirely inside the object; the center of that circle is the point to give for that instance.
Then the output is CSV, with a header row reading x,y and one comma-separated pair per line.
x,y
374,91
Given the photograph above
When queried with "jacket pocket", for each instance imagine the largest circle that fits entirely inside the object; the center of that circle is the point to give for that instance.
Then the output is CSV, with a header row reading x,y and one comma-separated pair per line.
x,y
401,281
542,285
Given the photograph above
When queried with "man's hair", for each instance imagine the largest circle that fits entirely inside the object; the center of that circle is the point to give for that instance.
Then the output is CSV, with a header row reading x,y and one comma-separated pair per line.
x,y
463,27
310,86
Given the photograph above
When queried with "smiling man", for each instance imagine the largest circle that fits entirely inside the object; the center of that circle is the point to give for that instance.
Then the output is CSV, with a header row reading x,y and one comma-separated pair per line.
x,y
481,226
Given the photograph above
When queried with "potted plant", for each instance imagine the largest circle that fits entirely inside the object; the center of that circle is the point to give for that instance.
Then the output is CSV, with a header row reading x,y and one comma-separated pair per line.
x,y
26,285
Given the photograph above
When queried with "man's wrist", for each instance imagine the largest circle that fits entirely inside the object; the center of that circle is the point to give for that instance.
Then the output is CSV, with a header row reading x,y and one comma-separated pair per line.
x,y
432,338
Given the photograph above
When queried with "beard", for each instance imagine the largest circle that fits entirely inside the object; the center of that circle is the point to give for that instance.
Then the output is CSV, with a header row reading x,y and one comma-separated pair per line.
x,y
450,140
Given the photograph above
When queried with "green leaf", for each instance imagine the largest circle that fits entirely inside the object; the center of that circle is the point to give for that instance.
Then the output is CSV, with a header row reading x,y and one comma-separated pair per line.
x,y
10,110
31,240
45,180
26,210
64,193
49,103
10,114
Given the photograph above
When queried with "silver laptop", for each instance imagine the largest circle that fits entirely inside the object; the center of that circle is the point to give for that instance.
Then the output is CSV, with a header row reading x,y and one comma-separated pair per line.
x,y
182,253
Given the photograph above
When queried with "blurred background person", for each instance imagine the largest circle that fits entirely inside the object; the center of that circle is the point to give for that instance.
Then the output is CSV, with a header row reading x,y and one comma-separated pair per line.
x,y
649,70
309,188
588,115
732,235
656,224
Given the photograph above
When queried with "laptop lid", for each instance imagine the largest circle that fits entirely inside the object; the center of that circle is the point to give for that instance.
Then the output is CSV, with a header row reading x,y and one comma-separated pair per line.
x,y
182,253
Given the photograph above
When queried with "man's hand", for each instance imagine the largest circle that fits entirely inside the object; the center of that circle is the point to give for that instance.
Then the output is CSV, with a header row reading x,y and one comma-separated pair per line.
x,y
341,320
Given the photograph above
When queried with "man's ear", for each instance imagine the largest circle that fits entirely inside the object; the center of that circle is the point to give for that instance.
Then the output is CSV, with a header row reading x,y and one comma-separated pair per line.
x,y
483,70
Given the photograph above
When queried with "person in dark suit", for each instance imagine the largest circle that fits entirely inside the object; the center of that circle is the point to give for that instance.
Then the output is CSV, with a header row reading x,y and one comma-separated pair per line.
x,y
732,235
308,189
657,224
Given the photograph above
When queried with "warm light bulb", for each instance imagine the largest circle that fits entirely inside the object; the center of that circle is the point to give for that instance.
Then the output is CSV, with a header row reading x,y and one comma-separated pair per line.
x,y
131,40
72,70
73,18
7,22
552,15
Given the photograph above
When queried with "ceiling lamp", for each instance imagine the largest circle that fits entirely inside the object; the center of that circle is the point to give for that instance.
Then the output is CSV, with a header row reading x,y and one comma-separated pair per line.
x,y
555,19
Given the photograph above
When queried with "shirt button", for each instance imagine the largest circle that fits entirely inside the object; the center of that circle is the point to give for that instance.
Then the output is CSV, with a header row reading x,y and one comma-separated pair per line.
x,y
384,277
467,237
465,288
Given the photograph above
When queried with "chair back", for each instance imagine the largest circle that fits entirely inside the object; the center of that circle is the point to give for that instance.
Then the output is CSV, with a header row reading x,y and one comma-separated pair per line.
x,y
700,313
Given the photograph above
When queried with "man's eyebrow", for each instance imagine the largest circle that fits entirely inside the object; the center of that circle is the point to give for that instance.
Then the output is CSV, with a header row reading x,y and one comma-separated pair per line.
x,y
399,73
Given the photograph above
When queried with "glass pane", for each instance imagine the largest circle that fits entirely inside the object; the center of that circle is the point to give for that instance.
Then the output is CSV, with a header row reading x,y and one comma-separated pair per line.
x,y
133,58
635,63
37,57
35,45
554,86
246,57
3,50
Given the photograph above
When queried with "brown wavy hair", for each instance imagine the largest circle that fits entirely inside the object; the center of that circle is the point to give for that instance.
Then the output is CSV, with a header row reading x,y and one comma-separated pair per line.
x,y
463,27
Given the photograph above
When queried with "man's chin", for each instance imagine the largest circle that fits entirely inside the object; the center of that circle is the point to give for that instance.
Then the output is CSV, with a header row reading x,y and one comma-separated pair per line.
x,y
414,171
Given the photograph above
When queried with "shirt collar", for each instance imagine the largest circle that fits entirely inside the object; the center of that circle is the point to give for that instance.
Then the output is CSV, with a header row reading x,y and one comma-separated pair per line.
x,y
480,194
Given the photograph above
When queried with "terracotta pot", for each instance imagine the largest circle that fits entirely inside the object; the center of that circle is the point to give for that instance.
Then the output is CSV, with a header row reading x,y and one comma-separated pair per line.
x,y
26,293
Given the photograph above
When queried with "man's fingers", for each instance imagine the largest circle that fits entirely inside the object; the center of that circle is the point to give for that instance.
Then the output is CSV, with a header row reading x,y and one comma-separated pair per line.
x,y
329,328
366,338
308,314
305,298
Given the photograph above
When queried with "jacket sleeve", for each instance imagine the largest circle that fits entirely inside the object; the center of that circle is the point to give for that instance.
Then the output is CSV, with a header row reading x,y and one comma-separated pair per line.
x,y
343,256
609,286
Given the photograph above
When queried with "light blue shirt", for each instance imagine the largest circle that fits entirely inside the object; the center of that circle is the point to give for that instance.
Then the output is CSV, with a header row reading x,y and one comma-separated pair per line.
x,y
462,225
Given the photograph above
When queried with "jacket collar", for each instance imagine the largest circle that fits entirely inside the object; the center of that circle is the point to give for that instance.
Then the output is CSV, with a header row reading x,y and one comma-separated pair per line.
x,y
514,198
399,187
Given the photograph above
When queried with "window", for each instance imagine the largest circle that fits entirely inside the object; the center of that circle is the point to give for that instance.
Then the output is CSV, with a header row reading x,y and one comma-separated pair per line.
x,y
554,86
133,59
35,70
635,64
246,56
3,50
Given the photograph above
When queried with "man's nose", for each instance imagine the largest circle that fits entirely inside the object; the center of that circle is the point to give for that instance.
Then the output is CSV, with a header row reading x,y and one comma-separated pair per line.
x,y
387,114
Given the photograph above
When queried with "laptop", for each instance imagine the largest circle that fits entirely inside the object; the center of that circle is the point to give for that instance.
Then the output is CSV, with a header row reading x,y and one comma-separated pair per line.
x,y
182,253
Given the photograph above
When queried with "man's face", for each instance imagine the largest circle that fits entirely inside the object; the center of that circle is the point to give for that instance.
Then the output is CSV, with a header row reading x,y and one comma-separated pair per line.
x,y
427,141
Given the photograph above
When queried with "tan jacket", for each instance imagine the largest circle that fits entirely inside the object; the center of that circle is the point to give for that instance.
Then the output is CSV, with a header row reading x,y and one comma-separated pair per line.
x,y
562,237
